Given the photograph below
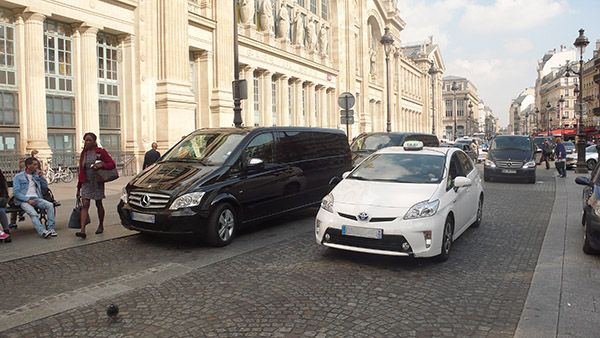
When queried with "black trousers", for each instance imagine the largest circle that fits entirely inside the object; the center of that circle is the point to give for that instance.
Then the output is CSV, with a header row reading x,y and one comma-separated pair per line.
x,y
545,158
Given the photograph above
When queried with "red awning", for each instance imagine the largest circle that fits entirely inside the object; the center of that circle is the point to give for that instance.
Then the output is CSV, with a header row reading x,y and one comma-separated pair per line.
x,y
569,131
589,129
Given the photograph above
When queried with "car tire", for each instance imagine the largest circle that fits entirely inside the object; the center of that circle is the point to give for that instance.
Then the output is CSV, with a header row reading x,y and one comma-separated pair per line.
x,y
591,163
477,222
222,225
446,241
587,248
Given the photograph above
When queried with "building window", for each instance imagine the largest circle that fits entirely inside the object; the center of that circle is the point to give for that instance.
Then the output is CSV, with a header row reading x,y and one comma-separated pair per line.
x,y
112,143
61,143
460,109
8,142
9,111
57,57
460,131
301,3
313,6
110,116
448,108
108,81
566,103
325,9
7,54
59,111
290,92
256,100
274,101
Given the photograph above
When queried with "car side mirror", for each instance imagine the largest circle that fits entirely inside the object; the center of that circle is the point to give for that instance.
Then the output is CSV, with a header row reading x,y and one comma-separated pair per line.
x,y
582,180
255,164
461,181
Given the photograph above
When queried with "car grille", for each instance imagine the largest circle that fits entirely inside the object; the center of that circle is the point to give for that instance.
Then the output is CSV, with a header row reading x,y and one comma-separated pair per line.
x,y
148,200
374,219
509,164
387,242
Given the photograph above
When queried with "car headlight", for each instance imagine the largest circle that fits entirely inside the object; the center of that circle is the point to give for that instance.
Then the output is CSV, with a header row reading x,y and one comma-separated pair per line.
x,y
530,164
327,203
124,195
489,163
422,209
187,200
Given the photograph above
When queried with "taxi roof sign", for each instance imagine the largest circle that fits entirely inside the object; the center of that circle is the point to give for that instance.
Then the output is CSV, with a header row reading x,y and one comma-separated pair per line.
x,y
413,145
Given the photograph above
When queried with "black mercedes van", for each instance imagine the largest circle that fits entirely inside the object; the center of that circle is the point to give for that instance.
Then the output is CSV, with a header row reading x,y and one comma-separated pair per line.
x,y
511,156
215,180
367,143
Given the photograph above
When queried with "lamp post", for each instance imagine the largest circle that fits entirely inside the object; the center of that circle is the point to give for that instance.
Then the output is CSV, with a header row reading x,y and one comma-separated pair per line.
x,y
454,88
432,72
548,117
581,42
559,104
470,120
527,122
237,102
387,40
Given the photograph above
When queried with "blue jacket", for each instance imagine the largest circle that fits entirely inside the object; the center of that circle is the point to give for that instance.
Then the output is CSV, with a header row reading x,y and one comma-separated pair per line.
x,y
560,151
21,184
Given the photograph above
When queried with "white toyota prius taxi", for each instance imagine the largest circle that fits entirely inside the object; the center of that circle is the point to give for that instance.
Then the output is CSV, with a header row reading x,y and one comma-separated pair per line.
x,y
403,201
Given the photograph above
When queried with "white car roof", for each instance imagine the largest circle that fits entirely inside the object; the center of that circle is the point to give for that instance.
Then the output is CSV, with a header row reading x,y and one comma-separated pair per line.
x,y
442,151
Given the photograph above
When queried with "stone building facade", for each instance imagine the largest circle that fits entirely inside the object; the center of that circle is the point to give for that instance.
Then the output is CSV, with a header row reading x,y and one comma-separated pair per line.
x,y
456,113
139,71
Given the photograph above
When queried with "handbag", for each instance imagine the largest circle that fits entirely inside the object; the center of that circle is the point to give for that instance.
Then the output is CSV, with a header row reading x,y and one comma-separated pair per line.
x,y
107,175
74,219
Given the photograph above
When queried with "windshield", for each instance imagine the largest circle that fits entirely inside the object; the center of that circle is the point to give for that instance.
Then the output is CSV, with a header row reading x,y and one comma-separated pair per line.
x,y
511,143
375,142
402,168
569,145
208,148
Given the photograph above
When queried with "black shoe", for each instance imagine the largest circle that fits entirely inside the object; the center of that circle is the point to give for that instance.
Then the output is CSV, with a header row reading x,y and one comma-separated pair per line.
x,y
99,230
81,234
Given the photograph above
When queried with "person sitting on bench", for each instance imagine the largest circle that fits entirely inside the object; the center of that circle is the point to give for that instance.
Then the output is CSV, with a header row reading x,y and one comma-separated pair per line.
x,y
27,192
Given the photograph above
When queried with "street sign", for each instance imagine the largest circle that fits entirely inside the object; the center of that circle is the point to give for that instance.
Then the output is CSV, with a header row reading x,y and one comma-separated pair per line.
x,y
347,112
349,120
346,100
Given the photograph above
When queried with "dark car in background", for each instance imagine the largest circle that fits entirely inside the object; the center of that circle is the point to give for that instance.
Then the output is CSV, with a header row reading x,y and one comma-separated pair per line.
x,y
367,143
510,156
569,147
591,211
216,180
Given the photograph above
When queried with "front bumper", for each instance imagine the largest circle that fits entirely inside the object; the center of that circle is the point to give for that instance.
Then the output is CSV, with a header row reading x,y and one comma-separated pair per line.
x,y
328,232
517,173
182,221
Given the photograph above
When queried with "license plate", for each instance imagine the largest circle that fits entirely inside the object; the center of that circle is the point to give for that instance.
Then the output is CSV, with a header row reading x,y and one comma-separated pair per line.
x,y
348,230
136,216
508,171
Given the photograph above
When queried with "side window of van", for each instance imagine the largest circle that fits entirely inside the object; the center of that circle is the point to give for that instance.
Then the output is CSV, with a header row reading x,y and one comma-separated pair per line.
x,y
262,147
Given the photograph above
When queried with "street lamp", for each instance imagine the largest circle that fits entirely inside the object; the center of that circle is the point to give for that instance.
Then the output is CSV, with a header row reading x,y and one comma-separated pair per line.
x,y
560,113
454,88
548,117
237,102
432,72
527,122
581,42
387,40
470,118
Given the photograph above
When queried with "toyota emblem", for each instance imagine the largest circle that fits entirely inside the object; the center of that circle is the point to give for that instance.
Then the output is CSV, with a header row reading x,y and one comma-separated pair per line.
x,y
363,216
145,201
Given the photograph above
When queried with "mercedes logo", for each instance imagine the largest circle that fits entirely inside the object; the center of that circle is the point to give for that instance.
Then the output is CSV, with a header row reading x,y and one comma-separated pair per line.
x,y
363,216
145,201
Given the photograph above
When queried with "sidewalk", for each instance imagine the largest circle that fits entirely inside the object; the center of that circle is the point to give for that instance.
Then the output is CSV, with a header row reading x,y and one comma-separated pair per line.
x,y
26,242
564,297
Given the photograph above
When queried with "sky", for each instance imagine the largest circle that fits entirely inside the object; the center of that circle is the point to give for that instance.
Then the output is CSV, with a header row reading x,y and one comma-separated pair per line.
x,y
497,44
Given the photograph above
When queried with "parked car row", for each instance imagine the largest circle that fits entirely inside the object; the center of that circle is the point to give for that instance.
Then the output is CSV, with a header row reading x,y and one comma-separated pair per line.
x,y
401,198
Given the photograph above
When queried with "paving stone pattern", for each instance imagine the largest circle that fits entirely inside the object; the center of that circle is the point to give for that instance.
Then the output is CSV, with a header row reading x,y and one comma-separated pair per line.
x,y
299,289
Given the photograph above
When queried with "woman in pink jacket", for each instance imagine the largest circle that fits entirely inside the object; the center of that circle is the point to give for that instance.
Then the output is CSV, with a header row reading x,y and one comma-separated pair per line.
x,y
89,187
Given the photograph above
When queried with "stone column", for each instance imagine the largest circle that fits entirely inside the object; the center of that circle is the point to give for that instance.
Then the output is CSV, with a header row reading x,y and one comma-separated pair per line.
x,y
204,62
324,108
174,100
130,112
297,101
248,104
284,108
222,97
21,82
88,82
267,99
35,94
309,101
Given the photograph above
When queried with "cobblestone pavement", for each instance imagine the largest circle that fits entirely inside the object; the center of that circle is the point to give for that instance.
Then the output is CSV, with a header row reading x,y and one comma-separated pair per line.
x,y
296,288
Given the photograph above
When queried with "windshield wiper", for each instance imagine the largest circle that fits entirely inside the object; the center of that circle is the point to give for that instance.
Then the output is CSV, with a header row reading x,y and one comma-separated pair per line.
x,y
360,178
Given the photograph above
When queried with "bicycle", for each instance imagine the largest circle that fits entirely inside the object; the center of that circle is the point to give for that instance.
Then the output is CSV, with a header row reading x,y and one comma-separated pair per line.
x,y
61,174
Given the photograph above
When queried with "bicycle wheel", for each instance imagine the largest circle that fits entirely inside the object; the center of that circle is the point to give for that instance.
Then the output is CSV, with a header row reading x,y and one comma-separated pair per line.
x,y
50,176
67,175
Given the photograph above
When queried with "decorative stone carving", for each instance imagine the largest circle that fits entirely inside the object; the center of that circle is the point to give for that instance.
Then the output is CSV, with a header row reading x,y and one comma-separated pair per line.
x,y
323,39
373,61
298,28
310,34
266,16
283,25
246,11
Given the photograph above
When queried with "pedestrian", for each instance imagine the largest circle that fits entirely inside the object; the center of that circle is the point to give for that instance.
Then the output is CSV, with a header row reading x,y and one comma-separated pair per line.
x,y
474,151
151,156
546,153
560,158
89,188
4,197
27,191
